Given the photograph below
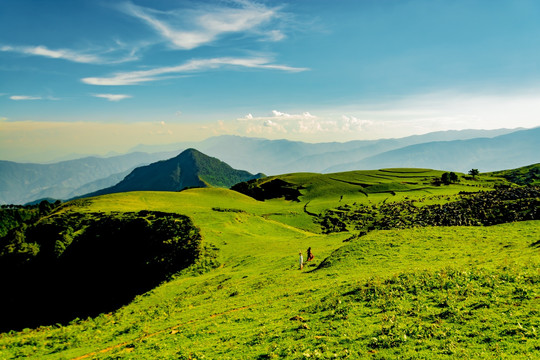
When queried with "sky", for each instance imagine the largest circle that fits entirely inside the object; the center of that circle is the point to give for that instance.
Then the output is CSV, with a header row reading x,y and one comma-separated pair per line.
x,y
100,77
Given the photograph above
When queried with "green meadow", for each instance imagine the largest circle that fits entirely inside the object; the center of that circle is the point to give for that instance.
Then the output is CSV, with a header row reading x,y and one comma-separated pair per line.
x,y
417,292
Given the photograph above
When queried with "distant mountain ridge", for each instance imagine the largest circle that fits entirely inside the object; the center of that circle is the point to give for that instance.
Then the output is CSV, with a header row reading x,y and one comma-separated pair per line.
x,y
487,150
274,157
508,151
24,182
191,168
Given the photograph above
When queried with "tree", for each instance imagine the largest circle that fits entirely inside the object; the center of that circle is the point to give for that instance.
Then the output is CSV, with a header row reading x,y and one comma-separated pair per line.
x,y
473,172
445,178
448,178
44,207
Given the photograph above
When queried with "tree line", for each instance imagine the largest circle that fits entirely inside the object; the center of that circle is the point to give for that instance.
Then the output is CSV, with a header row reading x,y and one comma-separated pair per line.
x,y
484,208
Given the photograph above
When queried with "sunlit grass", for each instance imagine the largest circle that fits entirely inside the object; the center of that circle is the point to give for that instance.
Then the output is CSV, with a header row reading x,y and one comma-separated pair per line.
x,y
436,292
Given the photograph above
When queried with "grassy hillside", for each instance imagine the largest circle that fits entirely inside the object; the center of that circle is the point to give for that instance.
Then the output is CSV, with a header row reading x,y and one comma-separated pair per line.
x,y
323,191
424,292
527,175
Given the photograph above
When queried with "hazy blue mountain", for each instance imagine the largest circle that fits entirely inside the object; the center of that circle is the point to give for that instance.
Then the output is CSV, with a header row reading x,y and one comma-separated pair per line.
x,y
100,184
21,183
262,155
509,151
191,168
168,148
283,156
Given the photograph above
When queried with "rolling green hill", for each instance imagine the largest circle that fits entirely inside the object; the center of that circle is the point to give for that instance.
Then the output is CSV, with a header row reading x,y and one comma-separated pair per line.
x,y
437,292
527,175
190,168
322,191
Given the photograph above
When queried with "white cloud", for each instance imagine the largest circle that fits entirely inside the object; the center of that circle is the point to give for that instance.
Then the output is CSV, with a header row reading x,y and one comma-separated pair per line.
x,y
275,35
351,123
24,97
190,28
280,122
163,129
71,55
301,124
140,76
275,126
279,116
113,97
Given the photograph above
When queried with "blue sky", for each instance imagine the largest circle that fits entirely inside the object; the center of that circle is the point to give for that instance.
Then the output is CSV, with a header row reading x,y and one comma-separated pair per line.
x,y
90,76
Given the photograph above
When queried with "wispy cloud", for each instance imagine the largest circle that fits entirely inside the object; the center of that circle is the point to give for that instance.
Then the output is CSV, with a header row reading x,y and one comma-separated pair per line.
x,y
190,28
113,97
25,97
274,35
141,76
55,54
73,55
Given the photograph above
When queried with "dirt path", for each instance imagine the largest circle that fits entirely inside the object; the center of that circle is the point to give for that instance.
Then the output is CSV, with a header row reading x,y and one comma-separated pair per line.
x,y
169,329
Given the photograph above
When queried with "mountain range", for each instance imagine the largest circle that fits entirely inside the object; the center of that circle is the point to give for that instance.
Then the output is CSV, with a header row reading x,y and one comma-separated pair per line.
x,y
507,151
486,150
274,157
25,182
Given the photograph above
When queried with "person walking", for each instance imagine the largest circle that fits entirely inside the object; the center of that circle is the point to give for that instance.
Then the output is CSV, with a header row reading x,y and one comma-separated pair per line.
x,y
310,255
301,261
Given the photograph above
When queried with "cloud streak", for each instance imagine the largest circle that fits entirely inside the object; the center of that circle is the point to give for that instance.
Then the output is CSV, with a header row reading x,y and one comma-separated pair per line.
x,y
141,76
66,54
113,97
190,28
24,97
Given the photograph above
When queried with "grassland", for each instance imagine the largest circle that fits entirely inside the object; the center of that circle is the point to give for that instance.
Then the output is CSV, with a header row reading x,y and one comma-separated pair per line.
x,y
430,292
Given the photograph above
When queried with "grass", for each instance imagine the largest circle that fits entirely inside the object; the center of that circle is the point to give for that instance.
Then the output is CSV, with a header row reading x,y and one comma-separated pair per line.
x,y
324,191
445,292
